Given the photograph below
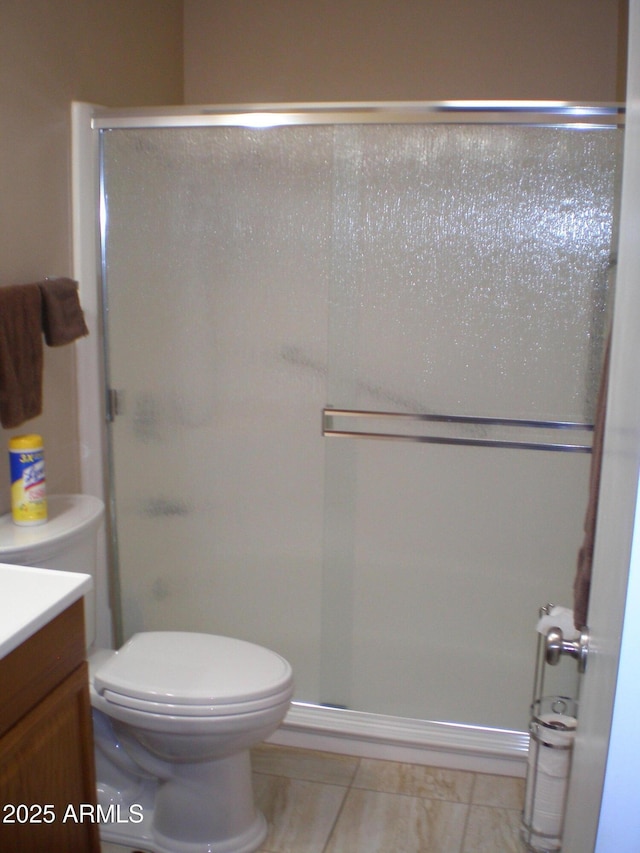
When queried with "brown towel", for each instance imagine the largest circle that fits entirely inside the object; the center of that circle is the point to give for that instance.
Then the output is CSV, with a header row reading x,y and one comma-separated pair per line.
x,y
582,581
62,317
21,354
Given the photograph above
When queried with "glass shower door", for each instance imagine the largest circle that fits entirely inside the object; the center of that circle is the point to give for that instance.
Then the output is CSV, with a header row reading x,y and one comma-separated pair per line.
x,y
257,277
217,316
471,278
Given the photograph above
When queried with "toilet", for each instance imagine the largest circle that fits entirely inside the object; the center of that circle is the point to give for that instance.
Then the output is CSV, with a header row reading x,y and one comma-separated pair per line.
x,y
174,712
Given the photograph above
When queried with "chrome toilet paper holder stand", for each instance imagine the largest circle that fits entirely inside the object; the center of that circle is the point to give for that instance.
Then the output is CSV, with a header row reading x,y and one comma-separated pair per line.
x,y
561,700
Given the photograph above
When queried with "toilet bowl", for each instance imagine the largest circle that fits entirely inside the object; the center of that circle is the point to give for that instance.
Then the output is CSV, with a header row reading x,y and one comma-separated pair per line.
x,y
175,714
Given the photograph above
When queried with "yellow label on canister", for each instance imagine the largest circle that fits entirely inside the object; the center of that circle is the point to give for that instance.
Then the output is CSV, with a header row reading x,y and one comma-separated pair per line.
x,y
28,482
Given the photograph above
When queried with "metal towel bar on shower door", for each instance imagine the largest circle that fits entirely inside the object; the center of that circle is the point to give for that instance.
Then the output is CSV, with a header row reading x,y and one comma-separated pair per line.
x,y
330,415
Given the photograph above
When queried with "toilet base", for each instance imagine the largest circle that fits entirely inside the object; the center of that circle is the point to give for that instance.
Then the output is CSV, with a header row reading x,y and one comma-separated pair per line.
x,y
198,808
138,837
247,842
208,807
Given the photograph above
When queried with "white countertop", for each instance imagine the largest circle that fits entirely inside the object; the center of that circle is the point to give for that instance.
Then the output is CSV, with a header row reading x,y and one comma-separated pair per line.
x,y
29,598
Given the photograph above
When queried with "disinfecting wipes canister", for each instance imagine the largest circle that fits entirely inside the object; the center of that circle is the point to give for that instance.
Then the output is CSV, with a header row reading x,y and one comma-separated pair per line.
x,y
28,483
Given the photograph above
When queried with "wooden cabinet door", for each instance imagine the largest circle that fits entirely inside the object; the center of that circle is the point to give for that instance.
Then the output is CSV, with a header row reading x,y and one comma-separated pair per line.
x,y
47,774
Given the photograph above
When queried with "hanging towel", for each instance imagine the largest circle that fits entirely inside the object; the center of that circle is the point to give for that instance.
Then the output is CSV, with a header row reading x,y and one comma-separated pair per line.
x,y
62,317
582,581
21,354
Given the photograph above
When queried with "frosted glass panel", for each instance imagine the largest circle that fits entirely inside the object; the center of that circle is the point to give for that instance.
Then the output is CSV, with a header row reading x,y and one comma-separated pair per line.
x,y
478,257
254,277
217,336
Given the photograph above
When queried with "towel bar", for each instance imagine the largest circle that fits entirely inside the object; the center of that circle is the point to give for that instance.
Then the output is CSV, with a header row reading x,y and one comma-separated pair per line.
x,y
329,414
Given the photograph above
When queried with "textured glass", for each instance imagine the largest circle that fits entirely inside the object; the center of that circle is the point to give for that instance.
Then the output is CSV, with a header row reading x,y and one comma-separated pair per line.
x,y
256,276
479,258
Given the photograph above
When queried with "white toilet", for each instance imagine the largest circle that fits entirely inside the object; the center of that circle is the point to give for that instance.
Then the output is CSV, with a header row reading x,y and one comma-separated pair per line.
x,y
175,713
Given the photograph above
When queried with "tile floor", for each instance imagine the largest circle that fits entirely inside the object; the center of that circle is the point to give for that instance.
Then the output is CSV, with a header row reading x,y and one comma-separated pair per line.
x,y
318,802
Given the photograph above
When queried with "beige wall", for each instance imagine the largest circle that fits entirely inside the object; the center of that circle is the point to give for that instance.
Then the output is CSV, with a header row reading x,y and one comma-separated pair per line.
x,y
335,50
116,52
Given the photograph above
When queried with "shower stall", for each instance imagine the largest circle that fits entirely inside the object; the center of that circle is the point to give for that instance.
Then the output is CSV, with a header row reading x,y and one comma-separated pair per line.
x,y
352,356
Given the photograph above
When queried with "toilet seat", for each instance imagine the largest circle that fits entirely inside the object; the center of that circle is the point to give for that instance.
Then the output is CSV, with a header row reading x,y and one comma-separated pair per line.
x,y
188,674
179,711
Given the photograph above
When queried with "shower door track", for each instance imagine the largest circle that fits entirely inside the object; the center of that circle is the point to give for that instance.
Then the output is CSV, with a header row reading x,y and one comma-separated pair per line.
x,y
532,113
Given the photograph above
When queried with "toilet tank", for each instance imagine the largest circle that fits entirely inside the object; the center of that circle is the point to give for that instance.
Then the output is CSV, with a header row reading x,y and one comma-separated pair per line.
x,y
68,541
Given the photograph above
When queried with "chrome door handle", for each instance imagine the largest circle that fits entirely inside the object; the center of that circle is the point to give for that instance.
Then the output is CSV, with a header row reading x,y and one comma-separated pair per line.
x,y
556,645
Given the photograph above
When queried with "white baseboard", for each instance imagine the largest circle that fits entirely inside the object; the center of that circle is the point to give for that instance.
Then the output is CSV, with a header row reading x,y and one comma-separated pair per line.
x,y
450,745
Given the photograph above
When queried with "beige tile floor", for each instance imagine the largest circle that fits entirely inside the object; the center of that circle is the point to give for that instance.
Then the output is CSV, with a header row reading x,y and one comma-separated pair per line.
x,y
318,802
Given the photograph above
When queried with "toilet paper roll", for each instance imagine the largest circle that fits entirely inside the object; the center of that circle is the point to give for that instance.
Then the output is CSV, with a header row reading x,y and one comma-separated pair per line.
x,y
548,773
544,806
558,617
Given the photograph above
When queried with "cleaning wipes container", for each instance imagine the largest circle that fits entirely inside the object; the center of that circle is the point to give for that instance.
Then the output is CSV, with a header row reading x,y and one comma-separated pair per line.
x,y
28,481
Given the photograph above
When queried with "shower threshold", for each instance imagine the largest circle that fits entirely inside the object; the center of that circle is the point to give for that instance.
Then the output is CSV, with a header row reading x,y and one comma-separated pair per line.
x,y
453,746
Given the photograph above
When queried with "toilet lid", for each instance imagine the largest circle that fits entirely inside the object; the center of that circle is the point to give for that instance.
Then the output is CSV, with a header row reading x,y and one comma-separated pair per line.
x,y
186,669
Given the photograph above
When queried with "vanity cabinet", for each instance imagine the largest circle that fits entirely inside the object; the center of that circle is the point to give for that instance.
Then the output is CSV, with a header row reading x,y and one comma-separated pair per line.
x,y
47,776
